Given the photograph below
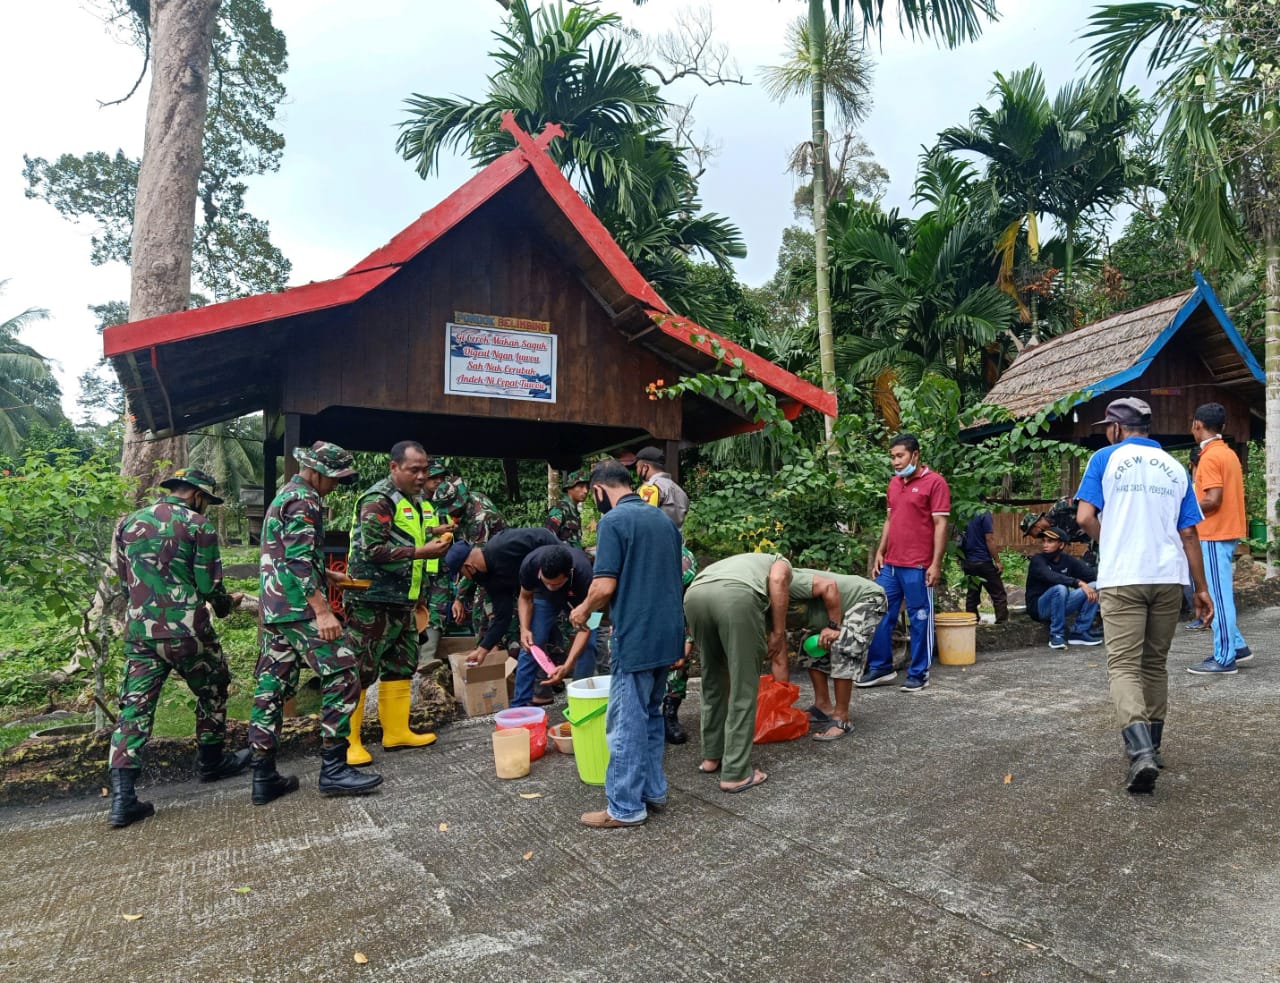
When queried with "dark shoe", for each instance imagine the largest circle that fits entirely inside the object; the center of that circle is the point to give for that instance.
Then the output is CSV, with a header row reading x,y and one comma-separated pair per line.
x,y
1002,611
670,709
1157,732
269,784
339,778
1083,638
1244,655
914,685
1057,642
1212,667
1143,770
869,678
212,763
125,807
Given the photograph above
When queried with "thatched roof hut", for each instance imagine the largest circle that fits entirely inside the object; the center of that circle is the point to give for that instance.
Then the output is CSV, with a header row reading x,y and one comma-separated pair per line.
x,y
1176,353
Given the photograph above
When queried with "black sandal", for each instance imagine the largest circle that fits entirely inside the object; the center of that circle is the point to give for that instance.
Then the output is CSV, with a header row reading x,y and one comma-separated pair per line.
x,y
846,729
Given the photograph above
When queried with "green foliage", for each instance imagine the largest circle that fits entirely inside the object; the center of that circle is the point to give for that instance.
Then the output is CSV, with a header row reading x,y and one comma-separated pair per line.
x,y
233,254
29,393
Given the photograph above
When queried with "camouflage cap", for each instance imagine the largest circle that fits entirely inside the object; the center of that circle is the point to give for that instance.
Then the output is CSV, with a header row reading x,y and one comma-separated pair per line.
x,y
570,478
451,496
1029,520
436,468
196,478
328,459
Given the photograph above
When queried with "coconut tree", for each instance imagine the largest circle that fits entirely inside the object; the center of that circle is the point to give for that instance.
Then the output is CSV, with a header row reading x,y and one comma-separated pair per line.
x,y
1218,67
569,65
28,390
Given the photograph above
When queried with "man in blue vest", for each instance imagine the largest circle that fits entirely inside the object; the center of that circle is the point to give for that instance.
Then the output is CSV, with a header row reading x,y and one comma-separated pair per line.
x,y
391,548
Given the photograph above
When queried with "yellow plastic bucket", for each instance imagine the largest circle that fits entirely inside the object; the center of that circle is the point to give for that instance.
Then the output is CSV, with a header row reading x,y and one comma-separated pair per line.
x,y
957,637
588,700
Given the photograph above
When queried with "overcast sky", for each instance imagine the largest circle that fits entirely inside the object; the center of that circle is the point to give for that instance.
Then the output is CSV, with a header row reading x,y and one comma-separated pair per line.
x,y
342,189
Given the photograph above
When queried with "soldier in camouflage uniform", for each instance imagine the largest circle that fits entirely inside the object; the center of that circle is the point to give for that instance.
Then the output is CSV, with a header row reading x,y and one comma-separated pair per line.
x,y
678,674
168,562
299,626
478,520
844,611
437,591
564,518
390,548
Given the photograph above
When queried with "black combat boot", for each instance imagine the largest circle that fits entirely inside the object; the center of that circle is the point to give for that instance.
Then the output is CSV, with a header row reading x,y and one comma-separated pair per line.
x,y
1143,771
339,778
269,784
125,807
675,733
213,763
1157,732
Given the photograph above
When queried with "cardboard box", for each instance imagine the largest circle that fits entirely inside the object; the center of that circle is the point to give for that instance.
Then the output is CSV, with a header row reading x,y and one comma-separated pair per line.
x,y
481,689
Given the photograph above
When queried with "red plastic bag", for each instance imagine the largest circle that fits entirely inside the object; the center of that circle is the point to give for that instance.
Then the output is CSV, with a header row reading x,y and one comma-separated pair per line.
x,y
777,717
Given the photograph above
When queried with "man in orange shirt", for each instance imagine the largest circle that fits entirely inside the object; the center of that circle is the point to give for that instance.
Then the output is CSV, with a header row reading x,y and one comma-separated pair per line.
x,y
1220,489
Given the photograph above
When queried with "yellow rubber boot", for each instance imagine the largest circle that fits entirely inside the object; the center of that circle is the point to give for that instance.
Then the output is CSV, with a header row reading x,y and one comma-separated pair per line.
x,y
356,754
393,712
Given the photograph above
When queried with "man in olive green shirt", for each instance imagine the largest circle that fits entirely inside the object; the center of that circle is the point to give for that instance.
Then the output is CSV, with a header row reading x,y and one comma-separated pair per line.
x,y
844,610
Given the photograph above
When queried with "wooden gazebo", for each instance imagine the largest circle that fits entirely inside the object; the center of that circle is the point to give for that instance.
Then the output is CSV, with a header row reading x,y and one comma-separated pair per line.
x,y
505,322
1176,353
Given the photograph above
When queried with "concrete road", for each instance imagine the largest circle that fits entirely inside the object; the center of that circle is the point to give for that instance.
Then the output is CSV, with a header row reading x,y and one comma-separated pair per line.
x,y
975,832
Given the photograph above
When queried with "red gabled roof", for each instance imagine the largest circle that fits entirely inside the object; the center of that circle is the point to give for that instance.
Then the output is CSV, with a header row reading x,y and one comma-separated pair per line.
x,y
528,154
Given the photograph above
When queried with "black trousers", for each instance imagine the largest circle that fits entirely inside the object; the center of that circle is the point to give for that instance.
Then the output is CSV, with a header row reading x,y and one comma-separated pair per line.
x,y
994,584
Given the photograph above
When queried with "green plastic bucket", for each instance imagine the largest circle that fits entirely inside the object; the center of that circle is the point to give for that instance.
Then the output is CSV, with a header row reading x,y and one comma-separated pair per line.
x,y
588,700
1258,530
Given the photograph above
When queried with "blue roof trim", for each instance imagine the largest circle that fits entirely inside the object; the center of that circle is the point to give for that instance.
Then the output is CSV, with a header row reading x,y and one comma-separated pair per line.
x,y
1202,294
1229,327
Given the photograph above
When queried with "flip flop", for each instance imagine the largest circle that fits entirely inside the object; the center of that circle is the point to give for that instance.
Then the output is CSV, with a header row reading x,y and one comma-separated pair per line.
x,y
845,730
817,716
750,784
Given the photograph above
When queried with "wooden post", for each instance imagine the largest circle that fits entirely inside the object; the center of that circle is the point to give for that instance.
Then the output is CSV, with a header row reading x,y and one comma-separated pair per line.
x,y
292,439
671,454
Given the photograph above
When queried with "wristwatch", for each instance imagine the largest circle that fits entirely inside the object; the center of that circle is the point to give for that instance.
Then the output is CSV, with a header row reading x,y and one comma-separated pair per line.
x,y
833,626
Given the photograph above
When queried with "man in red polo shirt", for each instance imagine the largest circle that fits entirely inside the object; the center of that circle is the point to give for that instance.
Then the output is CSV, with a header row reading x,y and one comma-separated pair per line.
x,y
908,563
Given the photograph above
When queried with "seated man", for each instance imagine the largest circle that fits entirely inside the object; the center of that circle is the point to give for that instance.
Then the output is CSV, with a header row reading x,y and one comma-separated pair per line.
x,y
553,581
845,610
1059,585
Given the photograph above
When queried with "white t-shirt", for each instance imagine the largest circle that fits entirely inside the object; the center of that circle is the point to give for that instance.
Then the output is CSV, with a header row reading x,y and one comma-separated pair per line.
x,y
1144,497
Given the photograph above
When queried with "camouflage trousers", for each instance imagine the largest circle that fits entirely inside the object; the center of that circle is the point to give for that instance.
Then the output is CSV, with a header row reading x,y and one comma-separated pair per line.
x,y
147,665
849,651
678,682
384,638
285,647
437,596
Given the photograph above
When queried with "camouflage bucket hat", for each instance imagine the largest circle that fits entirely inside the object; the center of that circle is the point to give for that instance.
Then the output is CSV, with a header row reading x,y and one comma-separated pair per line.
x,y
436,468
451,496
570,478
1029,520
196,479
328,459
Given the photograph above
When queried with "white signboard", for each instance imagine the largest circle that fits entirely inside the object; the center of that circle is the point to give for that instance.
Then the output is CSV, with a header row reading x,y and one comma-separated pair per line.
x,y
499,364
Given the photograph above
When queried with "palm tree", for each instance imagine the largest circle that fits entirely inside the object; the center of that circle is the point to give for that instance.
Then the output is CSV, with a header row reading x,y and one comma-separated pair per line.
x,y
231,451
1063,158
948,21
568,66
1218,66
28,390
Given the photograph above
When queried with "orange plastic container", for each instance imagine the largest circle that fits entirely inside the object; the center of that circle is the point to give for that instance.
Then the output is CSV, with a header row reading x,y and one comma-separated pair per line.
x,y
532,719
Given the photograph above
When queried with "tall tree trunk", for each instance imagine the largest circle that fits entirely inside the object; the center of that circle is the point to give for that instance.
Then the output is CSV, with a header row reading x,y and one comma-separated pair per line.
x,y
164,216
1271,358
817,102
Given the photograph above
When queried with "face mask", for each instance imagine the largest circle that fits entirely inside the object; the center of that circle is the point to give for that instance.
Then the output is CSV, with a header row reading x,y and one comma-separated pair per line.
x,y
906,472
603,504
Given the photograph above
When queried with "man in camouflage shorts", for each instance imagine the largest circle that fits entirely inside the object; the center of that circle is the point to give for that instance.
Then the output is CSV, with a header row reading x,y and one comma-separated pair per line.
x,y
169,564
299,626
845,611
